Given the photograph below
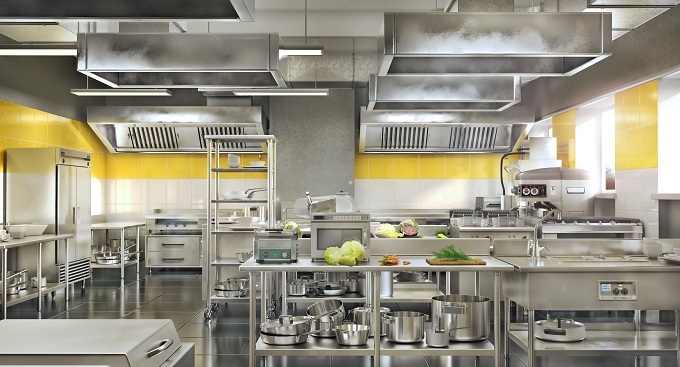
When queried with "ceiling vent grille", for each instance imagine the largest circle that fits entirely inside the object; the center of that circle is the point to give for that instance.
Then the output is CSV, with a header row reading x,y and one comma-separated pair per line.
x,y
402,137
226,130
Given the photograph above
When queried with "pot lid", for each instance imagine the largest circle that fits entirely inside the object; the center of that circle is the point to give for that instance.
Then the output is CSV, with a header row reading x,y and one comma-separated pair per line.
x,y
286,320
560,324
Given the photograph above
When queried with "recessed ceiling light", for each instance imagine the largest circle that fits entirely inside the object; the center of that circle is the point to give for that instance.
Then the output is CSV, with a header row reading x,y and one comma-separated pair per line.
x,y
129,92
280,92
303,50
38,50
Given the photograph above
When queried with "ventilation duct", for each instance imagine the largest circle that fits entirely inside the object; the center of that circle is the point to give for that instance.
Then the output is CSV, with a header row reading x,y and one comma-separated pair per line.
x,y
173,129
127,10
539,44
451,93
443,132
182,60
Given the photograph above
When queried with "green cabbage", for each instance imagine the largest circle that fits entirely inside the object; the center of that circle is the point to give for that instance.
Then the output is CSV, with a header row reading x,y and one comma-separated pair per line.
x,y
386,230
347,260
294,226
408,223
332,255
350,254
353,249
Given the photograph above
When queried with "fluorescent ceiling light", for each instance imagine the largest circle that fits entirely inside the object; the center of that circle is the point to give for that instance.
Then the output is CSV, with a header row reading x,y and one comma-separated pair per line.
x,y
38,50
280,92
303,50
121,92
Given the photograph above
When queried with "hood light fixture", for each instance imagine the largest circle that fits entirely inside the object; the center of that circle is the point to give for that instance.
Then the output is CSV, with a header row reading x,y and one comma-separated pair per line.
x,y
122,92
303,50
281,92
38,49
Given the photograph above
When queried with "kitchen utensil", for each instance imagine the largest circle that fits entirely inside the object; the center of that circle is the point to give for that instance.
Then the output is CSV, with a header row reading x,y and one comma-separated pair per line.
x,y
14,282
437,338
652,249
330,312
352,334
23,279
404,326
257,163
233,284
233,160
411,276
288,325
560,330
16,230
364,316
107,258
35,229
43,282
231,294
284,339
330,289
243,256
465,317
352,284
302,286
114,244
245,221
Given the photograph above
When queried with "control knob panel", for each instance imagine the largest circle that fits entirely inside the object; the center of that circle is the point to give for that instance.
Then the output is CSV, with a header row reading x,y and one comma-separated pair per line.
x,y
532,191
613,290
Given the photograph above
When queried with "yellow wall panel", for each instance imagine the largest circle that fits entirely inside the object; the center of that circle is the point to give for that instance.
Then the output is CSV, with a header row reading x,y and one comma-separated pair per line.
x,y
199,166
649,150
482,166
154,166
381,166
407,165
41,127
649,106
360,166
432,166
458,166
27,123
53,130
3,119
98,165
12,143
13,116
179,166
3,148
124,165
636,127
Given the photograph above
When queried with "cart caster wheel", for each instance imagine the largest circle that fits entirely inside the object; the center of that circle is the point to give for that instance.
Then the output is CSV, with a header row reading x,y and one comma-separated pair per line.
x,y
215,307
207,315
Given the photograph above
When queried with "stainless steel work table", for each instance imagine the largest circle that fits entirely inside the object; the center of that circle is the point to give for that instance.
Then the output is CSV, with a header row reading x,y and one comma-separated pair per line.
x,y
329,347
122,227
546,284
29,293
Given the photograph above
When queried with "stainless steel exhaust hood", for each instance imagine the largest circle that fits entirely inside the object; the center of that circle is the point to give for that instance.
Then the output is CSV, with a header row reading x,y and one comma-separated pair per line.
x,y
183,60
127,10
445,92
539,44
443,132
174,129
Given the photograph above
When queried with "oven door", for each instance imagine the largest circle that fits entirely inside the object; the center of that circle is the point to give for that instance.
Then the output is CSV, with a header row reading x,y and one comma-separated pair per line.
x,y
327,234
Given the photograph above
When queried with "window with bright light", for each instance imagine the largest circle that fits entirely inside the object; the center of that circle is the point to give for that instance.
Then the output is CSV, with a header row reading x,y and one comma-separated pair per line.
x,y
608,150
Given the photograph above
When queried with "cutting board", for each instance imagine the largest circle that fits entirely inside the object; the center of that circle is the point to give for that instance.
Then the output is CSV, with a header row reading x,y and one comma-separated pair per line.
x,y
456,262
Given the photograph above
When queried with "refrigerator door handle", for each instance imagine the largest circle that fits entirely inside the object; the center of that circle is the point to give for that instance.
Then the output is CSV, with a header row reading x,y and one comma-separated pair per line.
x,y
74,214
78,212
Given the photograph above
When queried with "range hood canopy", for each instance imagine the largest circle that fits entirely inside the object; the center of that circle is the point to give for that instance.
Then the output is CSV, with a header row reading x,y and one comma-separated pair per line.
x,y
183,60
445,92
174,129
127,10
443,132
539,44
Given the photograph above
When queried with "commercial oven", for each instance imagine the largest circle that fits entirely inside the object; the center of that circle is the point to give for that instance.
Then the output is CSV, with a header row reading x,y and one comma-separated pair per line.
x,y
174,238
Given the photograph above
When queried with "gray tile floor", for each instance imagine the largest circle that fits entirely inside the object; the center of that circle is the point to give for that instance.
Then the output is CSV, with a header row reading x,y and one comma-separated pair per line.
x,y
223,341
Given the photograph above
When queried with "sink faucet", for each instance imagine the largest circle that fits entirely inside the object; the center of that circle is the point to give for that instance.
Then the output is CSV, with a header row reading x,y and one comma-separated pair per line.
x,y
534,248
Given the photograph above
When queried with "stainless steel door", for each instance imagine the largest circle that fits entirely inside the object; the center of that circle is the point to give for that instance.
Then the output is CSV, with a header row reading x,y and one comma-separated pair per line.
x,y
83,212
66,203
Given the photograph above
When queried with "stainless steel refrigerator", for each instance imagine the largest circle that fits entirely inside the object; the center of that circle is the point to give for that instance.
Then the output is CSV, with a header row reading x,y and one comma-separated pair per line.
x,y
52,186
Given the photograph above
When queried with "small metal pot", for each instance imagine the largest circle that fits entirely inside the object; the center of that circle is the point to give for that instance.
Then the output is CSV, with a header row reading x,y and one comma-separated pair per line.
x,y
352,334
107,258
330,313
404,326
437,338
560,330
302,286
231,294
364,316
283,339
288,325
411,276
243,256
43,282
465,317
352,284
233,284
331,289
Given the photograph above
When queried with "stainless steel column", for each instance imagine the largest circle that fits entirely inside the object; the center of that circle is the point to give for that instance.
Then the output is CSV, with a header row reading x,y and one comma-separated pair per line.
x,y
531,355
253,317
506,337
66,275
376,318
4,283
284,301
39,270
122,257
677,336
139,255
497,317
478,285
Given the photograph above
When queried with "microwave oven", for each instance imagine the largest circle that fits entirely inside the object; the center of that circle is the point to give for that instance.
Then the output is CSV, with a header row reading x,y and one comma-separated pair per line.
x,y
333,229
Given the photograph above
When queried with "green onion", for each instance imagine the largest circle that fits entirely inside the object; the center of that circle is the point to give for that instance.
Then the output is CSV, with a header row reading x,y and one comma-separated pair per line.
x,y
451,253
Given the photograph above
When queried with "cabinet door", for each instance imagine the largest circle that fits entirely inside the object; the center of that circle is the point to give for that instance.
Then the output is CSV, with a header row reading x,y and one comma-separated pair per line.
x,y
83,236
66,202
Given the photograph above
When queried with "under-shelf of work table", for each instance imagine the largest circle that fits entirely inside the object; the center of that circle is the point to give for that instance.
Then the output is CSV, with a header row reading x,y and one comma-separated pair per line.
x,y
122,227
372,349
30,293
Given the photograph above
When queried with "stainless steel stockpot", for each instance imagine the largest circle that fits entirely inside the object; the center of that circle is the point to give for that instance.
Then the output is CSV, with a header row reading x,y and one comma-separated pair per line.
x,y
302,286
465,317
233,284
404,326
330,313
364,316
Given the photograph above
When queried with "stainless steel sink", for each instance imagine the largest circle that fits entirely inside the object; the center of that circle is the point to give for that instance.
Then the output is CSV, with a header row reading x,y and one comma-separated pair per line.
x,y
598,258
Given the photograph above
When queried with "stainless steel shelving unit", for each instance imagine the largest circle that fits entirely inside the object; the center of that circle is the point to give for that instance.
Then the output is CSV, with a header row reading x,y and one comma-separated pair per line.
x,y
329,347
122,227
29,293
216,146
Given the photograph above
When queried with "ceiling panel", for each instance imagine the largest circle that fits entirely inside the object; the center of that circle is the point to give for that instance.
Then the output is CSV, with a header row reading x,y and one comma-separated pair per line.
x,y
37,33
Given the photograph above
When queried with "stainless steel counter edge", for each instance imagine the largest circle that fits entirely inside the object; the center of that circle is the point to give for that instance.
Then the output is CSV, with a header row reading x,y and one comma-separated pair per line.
x,y
32,240
418,263
544,265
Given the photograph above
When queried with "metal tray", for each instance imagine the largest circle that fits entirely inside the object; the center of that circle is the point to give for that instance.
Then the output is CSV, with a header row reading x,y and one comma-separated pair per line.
x,y
671,258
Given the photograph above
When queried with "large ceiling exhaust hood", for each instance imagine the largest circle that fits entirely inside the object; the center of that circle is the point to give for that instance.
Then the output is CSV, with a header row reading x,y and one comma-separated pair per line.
x,y
450,93
539,44
174,129
127,10
443,132
182,60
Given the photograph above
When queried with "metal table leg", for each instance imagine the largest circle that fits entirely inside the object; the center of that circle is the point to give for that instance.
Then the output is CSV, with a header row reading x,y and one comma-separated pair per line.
x,y
376,318
478,284
137,250
66,276
506,337
39,270
4,282
531,357
496,317
284,301
122,257
677,337
253,318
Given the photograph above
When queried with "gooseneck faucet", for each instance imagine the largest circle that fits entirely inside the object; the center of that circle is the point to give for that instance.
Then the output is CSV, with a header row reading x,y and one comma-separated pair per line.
x,y
534,248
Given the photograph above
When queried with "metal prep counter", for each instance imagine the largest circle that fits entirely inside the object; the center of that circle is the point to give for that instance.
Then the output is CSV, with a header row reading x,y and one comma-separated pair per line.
x,y
29,293
546,284
326,347
120,226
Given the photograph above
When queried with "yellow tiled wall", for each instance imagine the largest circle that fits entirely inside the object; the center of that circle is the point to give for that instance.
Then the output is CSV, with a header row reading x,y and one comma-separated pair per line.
x,y
24,127
426,166
564,129
636,119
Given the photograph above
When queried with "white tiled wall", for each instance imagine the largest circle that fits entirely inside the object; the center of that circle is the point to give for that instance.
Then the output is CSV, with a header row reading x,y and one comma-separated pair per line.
x,y
634,189
422,194
133,199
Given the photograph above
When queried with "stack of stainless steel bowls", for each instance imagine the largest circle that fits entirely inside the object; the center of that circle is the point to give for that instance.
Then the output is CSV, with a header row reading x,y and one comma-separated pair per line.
x,y
330,313
233,287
